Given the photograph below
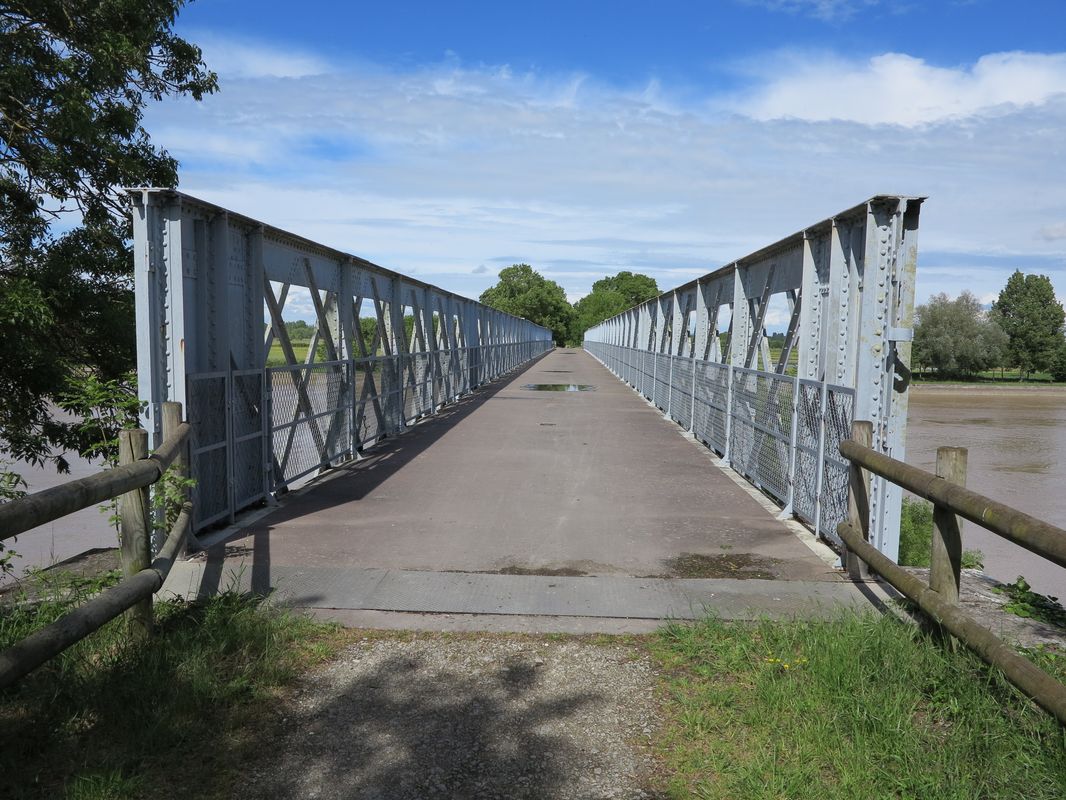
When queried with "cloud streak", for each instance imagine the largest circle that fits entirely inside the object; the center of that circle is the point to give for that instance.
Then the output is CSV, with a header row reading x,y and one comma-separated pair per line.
x,y
443,168
826,10
898,89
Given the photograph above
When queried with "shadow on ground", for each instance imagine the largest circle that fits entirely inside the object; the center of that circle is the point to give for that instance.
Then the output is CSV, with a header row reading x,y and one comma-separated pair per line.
x,y
347,483
464,719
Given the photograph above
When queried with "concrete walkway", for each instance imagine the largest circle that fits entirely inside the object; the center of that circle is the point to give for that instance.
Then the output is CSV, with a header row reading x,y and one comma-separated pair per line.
x,y
584,504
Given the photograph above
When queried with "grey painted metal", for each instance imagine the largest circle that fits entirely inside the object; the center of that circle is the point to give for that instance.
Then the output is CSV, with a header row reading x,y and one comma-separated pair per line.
x,y
784,443
848,285
212,291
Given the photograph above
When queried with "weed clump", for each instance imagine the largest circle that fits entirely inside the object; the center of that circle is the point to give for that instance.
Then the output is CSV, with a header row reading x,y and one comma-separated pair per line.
x,y
916,537
113,714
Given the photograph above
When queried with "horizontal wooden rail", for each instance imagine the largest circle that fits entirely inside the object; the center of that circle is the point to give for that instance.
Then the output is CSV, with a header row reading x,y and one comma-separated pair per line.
x,y
40,508
1037,536
25,656
1022,672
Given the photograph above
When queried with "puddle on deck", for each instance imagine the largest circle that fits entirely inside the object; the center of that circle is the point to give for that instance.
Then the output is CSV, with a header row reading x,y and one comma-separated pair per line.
x,y
559,387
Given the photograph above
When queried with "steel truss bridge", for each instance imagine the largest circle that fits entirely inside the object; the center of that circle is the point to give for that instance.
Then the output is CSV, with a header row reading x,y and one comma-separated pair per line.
x,y
701,353
206,278
213,290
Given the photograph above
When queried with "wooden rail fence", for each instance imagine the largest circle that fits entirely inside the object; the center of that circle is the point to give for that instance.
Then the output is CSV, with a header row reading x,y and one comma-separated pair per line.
x,y
128,483
940,598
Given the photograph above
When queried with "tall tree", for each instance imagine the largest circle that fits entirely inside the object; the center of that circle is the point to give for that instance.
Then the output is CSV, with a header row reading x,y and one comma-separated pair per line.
x,y
76,77
956,337
1032,317
609,296
524,292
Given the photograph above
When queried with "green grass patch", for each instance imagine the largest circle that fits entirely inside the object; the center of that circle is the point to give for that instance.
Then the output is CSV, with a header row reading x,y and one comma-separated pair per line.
x,y
857,707
916,537
174,716
993,376
276,356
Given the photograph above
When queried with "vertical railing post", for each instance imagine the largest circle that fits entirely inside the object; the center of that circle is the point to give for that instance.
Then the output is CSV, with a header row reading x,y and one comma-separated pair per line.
x,y
728,416
945,565
862,433
820,476
793,444
692,399
654,378
668,412
231,448
135,527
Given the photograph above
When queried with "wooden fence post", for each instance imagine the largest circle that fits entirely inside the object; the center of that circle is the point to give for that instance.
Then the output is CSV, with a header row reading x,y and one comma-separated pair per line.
x,y
172,418
862,433
945,564
135,527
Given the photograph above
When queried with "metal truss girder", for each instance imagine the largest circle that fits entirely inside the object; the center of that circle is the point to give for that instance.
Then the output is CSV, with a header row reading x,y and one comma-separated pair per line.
x,y
848,283
212,288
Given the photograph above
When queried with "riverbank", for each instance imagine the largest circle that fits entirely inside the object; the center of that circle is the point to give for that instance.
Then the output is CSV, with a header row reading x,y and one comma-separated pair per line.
x,y
979,387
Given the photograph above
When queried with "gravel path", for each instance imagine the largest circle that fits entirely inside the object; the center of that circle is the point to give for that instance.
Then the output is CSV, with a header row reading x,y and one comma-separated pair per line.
x,y
491,717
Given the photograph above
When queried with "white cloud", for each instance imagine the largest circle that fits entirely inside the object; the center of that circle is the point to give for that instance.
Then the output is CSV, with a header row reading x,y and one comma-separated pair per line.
x,y
898,89
1053,232
237,59
828,10
442,169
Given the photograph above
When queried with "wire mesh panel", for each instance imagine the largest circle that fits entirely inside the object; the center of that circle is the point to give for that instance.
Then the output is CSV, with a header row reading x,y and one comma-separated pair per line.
x,y
805,502
647,376
248,417
761,432
840,402
208,413
745,409
309,418
661,390
681,397
712,395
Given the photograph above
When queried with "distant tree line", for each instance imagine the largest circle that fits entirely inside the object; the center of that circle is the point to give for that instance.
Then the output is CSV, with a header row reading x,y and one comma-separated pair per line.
x,y
524,292
1023,330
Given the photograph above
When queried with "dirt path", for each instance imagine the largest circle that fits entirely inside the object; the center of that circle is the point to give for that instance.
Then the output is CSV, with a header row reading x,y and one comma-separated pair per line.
x,y
488,717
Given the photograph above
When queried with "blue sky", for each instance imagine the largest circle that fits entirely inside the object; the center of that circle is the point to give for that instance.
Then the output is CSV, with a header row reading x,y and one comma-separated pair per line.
x,y
451,139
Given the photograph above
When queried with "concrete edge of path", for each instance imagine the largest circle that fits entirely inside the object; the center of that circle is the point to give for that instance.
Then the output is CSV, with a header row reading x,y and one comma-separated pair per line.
x,y
472,596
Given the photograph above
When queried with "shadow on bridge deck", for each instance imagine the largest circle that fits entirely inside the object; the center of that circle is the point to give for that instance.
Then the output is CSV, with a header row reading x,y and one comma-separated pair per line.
x,y
528,503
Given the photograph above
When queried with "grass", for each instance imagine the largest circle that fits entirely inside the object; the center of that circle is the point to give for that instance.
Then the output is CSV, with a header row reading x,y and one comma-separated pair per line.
x,y
1010,377
276,356
112,718
856,707
916,537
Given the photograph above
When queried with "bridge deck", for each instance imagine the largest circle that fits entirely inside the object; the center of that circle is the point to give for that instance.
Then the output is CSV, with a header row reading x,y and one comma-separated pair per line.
x,y
530,484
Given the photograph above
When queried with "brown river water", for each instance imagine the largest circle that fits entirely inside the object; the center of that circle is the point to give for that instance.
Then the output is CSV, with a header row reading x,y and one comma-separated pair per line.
x,y
1017,455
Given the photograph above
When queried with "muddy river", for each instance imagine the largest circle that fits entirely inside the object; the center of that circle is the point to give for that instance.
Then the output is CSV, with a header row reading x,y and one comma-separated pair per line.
x,y
1017,455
